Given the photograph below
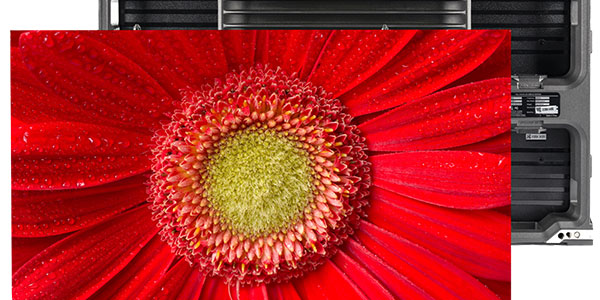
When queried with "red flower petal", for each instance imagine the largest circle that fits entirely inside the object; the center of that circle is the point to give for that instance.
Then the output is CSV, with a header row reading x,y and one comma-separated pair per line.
x,y
64,155
181,282
476,241
505,210
195,56
146,268
352,56
436,276
239,48
261,52
284,291
14,37
414,72
23,249
32,102
165,58
44,213
499,144
372,288
286,49
456,179
315,50
396,282
498,65
501,288
79,265
214,288
136,49
192,287
451,118
14,122
251,293
96,78
318,284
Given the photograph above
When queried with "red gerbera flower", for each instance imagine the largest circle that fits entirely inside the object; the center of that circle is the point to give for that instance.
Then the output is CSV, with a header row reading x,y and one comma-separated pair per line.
x,y
272,164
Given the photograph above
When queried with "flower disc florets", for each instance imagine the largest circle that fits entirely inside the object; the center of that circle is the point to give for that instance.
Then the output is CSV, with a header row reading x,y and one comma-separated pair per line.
x,y
258,178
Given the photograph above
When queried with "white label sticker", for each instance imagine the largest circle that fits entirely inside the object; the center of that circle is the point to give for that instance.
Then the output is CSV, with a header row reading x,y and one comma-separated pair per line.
x,y
535,136
547,110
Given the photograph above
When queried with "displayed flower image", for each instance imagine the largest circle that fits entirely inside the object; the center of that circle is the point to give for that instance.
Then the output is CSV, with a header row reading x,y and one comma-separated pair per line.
x,y
261,164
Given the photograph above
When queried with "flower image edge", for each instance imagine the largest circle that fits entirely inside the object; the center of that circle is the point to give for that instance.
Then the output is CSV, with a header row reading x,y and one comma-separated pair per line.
x,y
321,164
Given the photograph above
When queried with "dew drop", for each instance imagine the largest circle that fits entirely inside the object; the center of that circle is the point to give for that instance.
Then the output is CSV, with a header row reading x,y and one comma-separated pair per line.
x,y
48,41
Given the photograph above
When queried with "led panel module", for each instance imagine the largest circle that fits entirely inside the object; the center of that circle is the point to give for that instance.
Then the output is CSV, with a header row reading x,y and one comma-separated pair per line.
x,y
551,45
252,143
283,14
551,162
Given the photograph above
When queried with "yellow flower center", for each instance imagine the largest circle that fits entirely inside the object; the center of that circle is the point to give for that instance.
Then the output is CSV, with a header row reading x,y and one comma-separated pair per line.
x,y
259,181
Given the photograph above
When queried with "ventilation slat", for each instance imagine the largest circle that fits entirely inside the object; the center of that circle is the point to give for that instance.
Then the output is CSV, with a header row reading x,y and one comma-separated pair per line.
x,y
541,32
298,14
344,12
165,14
170,5
310,6
541,175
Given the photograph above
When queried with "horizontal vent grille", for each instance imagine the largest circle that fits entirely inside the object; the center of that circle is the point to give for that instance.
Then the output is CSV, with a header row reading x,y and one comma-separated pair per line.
x,y
306,14
166,14
540,32
540,175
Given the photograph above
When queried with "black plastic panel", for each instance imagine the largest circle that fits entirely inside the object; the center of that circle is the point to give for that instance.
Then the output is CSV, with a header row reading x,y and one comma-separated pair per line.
x,y
166,14
541,173
357,14
540,32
